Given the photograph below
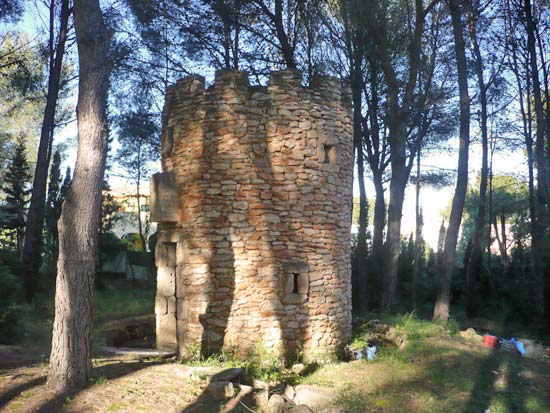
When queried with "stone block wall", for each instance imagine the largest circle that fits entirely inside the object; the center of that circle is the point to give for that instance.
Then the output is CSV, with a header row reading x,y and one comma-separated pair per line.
x,y
256,249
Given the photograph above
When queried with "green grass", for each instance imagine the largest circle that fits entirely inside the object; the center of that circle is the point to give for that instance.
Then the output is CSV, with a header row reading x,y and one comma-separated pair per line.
x,y
259,363
35,320
437,371
116,303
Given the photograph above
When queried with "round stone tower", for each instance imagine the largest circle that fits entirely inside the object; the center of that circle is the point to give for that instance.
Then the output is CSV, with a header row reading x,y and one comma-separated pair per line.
x,y
254,211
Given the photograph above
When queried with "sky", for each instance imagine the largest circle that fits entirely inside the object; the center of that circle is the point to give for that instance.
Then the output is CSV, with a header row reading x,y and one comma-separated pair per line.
x,y
433,201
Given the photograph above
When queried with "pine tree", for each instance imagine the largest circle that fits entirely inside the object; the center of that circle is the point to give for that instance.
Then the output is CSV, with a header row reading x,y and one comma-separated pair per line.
x,y
16,188
71,365
441,237
66,183
56,189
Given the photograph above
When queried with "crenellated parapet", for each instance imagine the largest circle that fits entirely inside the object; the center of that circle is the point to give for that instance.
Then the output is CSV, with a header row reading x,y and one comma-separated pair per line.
x,y
256,249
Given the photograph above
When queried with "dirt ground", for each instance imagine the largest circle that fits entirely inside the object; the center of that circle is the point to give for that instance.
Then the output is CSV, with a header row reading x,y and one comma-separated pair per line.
x,y
118,385
434,374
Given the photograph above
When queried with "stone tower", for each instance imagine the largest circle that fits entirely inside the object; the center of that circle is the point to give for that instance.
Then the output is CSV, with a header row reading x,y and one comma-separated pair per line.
x,y
254,212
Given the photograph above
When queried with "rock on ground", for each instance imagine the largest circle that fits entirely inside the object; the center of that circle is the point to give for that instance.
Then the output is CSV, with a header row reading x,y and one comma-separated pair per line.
x,y
313,396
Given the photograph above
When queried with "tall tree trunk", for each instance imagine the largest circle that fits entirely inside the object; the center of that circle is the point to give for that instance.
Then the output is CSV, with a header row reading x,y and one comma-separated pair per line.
x,y
277,20
362,234
379,220
140,224
393,237
236,38
474,267
527,120
70,360
418,234
441,309
542,184
358,141
355,53
30,256
399,112
376,151
546,91
490,215
500,241
504,251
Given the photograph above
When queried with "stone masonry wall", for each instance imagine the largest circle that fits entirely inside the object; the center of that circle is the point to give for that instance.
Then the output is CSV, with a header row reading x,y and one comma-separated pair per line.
x,y
260,252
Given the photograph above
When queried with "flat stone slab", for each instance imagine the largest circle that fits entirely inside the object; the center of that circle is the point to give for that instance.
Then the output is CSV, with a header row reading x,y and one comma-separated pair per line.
x,y
314,397
139,352
216,374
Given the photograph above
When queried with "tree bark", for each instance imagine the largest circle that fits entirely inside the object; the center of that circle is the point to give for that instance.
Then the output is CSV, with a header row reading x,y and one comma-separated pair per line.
x,y
490,215
527,120
379,220
358,141
140,224
417,235
393,238
398,114
286,48
362,233
500,240
276,18
474,266
70,360
441,309
542,184
504,251
138,193
355,54
30,256
376,151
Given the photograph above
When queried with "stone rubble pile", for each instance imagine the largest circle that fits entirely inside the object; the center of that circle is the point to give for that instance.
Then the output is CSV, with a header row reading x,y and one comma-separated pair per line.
x,y
282,398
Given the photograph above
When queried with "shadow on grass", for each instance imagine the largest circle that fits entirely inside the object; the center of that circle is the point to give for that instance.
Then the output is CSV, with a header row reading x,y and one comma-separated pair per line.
x,y
53,403
109,372
7,395
206,403
484,385
450,381
516,394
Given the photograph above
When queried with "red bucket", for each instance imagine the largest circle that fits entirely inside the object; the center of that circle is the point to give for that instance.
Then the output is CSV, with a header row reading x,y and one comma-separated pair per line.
x,y
490,341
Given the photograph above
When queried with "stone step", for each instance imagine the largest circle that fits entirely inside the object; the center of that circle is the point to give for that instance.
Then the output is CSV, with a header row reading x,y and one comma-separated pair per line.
x,y
138,352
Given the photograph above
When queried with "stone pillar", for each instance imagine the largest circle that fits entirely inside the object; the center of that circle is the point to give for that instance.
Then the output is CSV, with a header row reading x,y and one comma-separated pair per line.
x,y
165,300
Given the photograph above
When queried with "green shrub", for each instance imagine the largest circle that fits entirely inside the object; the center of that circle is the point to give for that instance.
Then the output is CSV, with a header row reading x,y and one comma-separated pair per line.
x,y
10,291
9,324
10,288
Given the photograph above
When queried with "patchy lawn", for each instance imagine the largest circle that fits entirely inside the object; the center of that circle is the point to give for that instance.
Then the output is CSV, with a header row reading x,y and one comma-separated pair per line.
x,y
439,374
435,371
36,320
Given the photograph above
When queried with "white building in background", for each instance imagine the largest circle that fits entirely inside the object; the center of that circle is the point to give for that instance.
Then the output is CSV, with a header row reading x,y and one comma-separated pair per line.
x,y
126,223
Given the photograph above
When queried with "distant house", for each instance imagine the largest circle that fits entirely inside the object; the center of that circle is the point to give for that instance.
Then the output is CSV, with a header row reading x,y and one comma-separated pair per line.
x,y
126,223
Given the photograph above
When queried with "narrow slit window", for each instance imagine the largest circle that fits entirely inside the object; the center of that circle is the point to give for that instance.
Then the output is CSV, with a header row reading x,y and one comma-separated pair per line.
x,y
330,154
295,283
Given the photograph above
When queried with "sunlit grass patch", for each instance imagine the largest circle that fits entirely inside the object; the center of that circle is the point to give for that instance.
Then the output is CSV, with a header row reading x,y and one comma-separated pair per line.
x,y
120,303
436,371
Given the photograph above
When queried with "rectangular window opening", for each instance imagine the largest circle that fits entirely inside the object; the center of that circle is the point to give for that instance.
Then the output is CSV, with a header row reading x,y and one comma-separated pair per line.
x,y
330,154
295,282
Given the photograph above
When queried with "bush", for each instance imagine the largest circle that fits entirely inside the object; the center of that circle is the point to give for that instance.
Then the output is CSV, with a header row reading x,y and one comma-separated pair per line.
x,y
9,324
10,288
10,292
